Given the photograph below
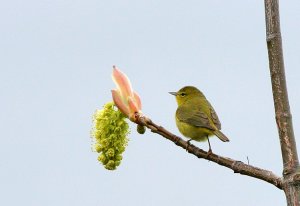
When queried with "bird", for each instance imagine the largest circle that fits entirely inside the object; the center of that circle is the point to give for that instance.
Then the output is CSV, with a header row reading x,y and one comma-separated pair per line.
x,y
195,117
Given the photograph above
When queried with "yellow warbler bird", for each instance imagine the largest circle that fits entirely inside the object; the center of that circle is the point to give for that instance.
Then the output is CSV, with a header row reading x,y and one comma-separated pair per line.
x,y
195,117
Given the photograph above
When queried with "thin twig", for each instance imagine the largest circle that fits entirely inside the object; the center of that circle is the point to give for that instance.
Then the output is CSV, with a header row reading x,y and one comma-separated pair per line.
x,y
236,166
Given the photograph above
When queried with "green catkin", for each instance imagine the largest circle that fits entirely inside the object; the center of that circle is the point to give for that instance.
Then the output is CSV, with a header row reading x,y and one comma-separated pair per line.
x,y
109,134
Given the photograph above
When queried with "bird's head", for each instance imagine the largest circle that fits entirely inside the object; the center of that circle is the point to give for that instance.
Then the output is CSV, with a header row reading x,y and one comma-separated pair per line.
x,y
187,93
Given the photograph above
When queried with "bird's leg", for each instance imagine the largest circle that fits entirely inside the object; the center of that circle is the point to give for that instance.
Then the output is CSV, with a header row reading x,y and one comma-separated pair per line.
x,y
188,144
209,150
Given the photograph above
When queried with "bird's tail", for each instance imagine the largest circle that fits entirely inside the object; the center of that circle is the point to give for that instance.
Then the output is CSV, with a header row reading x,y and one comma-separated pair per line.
x,y
221,136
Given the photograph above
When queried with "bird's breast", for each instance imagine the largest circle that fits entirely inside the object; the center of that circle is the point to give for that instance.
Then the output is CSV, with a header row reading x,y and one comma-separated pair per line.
x,y
190,131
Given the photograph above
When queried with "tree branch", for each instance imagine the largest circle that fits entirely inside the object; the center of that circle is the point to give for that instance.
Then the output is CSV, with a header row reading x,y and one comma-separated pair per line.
x,y
291,170
280,94
236,166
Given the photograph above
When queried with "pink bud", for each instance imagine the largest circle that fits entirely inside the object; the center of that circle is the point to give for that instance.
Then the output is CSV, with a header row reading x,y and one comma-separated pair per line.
x,y
137,100
124,97
122,82
119,103
132,108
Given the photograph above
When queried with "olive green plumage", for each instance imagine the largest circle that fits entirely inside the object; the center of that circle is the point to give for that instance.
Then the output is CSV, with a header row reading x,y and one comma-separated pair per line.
x,y
195,117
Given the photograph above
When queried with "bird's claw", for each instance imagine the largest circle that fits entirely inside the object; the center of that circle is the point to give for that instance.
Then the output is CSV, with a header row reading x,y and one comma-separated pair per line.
x,y
209,152
188,144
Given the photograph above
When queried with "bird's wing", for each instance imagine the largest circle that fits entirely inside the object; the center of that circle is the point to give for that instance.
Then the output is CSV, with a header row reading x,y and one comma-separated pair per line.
x,y
215,118
196,118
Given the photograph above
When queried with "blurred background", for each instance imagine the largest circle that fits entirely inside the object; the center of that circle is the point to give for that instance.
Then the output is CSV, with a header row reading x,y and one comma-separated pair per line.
x,y
55,71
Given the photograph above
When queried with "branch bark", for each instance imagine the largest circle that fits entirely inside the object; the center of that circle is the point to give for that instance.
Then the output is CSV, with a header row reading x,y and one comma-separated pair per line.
x,y
280,94
235,165
291,183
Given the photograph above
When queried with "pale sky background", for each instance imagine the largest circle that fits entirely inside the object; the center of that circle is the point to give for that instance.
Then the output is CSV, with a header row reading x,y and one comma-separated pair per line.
x,y
56,63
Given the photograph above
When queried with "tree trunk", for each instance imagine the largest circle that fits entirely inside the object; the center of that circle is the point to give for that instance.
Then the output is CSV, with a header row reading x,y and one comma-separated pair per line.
x,y
291,173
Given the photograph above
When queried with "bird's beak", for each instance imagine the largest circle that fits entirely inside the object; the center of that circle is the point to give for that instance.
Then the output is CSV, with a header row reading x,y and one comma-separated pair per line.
x,y
173,93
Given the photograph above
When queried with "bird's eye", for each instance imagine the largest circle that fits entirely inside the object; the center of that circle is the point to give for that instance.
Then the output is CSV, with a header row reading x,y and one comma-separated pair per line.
x,y
182,94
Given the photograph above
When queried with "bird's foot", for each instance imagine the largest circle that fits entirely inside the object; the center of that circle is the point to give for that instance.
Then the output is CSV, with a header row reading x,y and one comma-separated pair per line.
x,y
209,152
188,144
